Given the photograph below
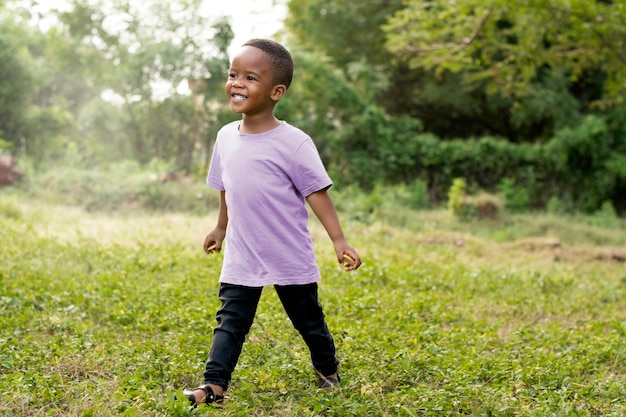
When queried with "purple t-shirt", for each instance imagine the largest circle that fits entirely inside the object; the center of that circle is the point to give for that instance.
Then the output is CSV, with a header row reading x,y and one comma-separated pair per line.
x,y
267,177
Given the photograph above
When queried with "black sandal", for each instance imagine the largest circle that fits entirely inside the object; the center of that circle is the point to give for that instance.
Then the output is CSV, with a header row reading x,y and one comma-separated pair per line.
x,y
208,399
327,382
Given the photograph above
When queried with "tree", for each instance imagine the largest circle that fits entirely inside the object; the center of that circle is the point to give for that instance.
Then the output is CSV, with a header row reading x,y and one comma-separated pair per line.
x,y
511,44
140,54
348,32
449,104
320,101
17,78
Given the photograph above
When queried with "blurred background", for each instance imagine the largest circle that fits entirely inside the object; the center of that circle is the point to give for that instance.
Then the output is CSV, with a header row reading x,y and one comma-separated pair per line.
x,y
115,103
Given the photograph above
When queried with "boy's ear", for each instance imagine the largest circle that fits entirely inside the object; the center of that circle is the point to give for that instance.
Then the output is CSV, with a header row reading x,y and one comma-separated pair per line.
x,y
278,92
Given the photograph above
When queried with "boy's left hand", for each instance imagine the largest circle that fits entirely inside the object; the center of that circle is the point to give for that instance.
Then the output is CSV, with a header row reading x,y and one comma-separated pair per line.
x,y
349,259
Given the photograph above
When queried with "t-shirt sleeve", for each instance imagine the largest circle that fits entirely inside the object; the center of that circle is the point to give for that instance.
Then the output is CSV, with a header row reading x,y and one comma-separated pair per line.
x,y
214,176
309,172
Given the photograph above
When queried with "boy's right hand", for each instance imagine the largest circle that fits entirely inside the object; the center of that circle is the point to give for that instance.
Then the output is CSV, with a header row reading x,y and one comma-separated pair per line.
x,y
212,247
212,242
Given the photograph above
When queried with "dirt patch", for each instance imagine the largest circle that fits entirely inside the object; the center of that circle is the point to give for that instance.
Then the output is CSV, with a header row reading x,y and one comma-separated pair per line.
x,y
560,252
546,248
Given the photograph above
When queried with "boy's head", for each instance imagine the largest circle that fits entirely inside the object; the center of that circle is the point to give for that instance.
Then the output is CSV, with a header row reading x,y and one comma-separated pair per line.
x,y
282,64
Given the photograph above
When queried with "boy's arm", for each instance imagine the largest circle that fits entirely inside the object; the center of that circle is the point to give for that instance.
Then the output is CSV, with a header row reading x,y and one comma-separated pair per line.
x,y
214,239
324,209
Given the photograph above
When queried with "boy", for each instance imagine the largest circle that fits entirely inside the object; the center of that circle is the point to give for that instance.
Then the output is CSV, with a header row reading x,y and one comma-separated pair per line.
x,y
266,171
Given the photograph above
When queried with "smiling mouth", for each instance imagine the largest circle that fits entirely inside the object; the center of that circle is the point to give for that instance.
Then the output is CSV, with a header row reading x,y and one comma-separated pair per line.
x,y
238,97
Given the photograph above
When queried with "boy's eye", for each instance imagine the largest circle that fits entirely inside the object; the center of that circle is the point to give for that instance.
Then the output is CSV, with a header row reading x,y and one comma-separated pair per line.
x,y
232,75
251,78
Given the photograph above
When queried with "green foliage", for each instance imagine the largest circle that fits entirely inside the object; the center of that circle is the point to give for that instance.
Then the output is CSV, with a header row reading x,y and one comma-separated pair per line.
x,y
616,124
320,112
49,132
379,148
17,75
380,202
554,205
515,75
546,108
465,206
122,187
4,144
585,163
529,107
509,44
414,195
485,205
102,316
606,216
9,209
577,166
517,199
110,91
472,99
456,197
347,32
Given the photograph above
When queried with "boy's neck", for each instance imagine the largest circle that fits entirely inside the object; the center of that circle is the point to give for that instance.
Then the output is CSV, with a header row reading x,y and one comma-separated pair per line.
x,y
258,123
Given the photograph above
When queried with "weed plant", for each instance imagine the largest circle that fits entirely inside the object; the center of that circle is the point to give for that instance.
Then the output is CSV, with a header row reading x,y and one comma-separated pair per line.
x,y
112,315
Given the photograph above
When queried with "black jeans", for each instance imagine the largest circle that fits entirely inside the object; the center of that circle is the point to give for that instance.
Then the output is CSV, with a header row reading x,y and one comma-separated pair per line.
x,y
235,316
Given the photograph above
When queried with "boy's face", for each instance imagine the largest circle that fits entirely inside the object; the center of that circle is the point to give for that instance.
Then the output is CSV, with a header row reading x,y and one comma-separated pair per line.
x,y
250,86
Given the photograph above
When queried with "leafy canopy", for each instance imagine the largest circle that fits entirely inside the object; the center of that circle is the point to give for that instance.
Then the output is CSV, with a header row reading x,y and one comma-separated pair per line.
x,y
509,43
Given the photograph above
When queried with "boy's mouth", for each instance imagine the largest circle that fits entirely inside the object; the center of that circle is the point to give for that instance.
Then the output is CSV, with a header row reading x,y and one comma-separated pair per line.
x,y
238,97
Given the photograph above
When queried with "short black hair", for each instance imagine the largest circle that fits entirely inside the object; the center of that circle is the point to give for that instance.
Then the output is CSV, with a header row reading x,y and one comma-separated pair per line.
x,y
282,64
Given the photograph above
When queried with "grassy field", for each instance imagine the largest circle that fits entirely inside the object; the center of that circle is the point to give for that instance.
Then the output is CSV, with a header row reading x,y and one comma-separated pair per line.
x,y
111,315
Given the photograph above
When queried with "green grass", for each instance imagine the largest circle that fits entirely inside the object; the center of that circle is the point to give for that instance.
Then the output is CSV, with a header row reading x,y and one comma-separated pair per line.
x,y
111,315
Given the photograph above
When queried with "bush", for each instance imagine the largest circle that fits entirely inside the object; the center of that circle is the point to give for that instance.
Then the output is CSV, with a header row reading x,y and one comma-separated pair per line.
x,y
413,195
9,209
582,165
516,198
123,186
554,205
606,216
464,206
457,200
380,202
376,148
484,205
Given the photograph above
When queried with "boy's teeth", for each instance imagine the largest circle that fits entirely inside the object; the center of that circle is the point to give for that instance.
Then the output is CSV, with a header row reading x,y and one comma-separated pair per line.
x,y
238,97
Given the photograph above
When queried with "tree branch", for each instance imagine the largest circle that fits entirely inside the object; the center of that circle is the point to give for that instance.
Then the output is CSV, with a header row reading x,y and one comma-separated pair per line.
x,y
456,45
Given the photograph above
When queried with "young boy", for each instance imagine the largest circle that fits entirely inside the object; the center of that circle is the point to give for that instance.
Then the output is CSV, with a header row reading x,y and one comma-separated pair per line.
x,y
265,170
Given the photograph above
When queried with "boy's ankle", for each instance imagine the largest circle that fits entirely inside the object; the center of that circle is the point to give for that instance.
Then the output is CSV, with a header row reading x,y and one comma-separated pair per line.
x,y
217,389
327,382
